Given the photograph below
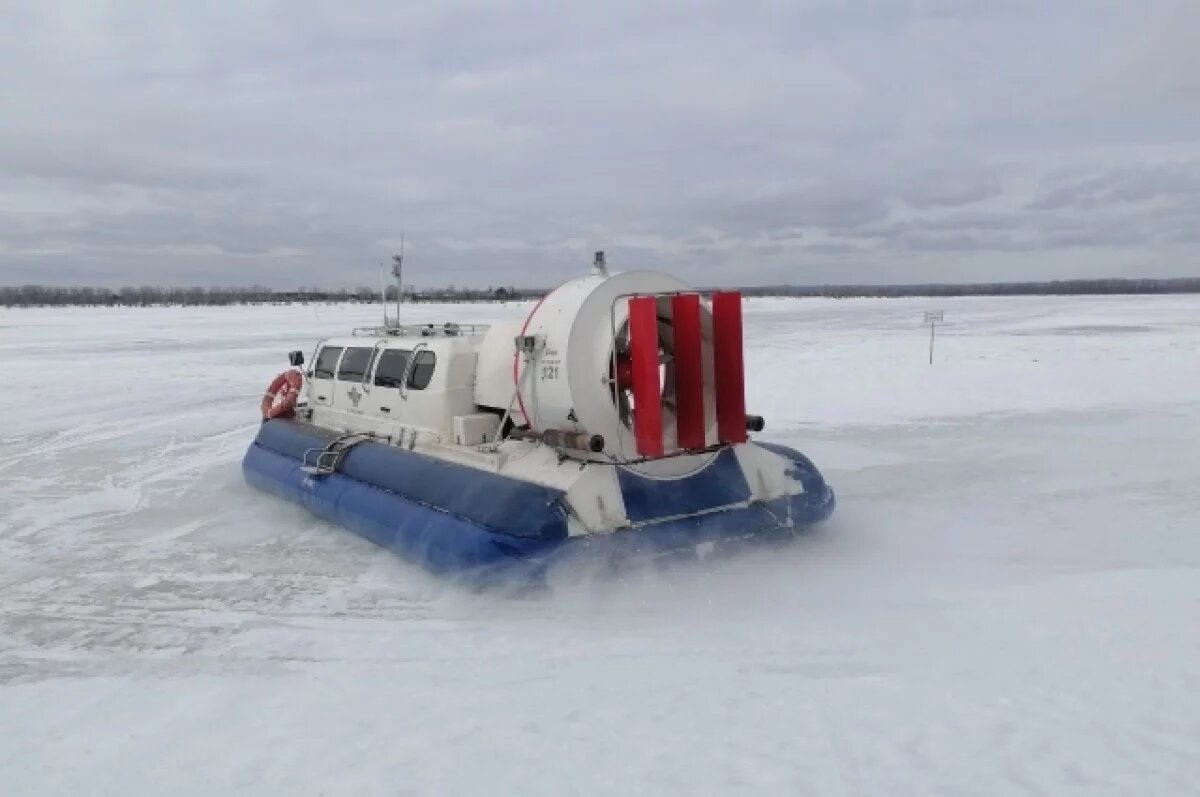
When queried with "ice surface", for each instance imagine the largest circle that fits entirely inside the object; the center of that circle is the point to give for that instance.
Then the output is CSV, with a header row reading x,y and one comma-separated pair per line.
x,y
1006,602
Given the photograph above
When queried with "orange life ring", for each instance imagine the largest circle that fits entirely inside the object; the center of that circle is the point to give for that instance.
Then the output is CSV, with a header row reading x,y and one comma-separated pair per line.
x,y
280,399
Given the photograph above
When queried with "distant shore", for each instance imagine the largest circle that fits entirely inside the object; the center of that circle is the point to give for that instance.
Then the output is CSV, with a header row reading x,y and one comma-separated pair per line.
x,y
147,296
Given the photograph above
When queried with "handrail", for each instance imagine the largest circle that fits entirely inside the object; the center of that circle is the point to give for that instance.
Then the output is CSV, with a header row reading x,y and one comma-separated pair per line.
x,y
408,367
449,329
371,363
312,363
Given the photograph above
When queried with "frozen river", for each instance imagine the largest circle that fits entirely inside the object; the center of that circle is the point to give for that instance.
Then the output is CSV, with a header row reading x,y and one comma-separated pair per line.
x,y
1007,600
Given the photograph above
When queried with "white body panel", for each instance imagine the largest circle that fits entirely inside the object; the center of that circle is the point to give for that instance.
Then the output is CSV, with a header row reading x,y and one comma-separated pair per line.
x,y
363,405
475,430
494,385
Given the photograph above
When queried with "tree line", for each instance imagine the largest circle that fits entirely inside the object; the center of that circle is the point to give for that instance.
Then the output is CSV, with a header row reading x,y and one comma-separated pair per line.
x,y
149,295
1079,287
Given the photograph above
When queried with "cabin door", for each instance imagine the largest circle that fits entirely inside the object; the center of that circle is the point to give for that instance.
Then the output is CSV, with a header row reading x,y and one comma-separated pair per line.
x,y
390,368
320,378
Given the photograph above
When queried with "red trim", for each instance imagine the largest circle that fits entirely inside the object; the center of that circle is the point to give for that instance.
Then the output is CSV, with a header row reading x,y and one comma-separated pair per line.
x,y
647,392
729,367
516,381
689,370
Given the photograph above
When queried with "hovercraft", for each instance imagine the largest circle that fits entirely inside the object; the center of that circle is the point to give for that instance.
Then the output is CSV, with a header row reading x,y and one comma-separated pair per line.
x,y
610,419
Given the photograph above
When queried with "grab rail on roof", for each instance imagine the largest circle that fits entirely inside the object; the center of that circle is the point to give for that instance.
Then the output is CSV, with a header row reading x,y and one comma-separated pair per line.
x,y
450,329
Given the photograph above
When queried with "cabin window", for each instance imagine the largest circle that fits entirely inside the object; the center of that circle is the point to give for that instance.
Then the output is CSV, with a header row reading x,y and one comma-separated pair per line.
x,y
355,364
422,370
390,369
326,362
393,363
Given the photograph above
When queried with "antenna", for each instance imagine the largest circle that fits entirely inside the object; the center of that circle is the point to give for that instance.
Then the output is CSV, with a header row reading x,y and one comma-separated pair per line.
x,y
397,270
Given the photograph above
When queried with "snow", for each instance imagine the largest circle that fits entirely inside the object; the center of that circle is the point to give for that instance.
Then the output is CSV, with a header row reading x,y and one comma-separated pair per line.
x,y
1006,602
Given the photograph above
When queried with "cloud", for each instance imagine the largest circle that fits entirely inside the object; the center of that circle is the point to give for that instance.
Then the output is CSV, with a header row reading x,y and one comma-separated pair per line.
x,y
1154,182
292,142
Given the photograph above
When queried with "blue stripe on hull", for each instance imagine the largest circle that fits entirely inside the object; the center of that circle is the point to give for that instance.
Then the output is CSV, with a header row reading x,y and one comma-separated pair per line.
x,y
433,539
488,500
720,483
448,543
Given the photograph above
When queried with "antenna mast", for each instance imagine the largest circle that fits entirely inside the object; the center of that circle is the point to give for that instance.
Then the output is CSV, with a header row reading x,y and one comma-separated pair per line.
x,y
397,270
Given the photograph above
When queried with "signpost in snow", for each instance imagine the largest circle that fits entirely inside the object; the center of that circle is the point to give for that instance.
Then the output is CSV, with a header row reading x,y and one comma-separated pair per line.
x,y
933,318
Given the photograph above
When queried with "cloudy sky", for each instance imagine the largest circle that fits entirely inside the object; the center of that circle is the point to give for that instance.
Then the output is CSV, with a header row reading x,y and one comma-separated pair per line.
x,y
809,141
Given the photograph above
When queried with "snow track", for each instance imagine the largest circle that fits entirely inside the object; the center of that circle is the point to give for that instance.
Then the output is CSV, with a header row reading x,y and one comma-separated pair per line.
x,y
1006,601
